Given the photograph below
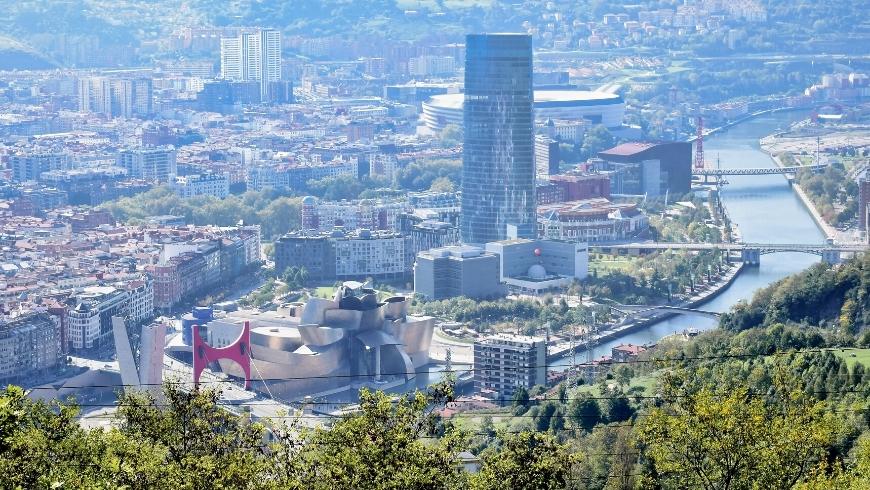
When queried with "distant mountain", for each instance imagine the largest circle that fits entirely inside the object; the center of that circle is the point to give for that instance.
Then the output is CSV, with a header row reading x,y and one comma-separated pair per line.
x,y
16,56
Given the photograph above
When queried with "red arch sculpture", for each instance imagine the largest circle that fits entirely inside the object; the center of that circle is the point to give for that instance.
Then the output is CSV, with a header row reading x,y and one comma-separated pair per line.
x,y
238,351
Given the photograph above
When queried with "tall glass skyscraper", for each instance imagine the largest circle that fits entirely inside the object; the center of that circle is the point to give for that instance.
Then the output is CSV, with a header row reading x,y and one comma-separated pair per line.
x,y
498,163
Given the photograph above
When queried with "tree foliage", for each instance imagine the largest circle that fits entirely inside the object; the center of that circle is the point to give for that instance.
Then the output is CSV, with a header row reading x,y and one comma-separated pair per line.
x,y
736,440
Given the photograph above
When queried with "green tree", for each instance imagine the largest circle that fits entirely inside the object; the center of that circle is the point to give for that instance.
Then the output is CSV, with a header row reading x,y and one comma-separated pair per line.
x,y
381,448
201,442
705,440
524,461
585,412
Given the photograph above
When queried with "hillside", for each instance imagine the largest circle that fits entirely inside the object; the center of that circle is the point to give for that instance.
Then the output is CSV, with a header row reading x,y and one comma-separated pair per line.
x,y
821,295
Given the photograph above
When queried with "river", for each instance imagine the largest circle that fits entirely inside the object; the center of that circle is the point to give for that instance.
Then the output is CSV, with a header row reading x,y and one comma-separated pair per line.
x,y
765,209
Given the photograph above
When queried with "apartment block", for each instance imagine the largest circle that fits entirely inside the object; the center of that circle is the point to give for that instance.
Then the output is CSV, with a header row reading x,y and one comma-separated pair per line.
x,y
505,362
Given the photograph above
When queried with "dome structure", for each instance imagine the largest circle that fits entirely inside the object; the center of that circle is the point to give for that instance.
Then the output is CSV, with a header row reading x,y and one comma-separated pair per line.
x,y
537,272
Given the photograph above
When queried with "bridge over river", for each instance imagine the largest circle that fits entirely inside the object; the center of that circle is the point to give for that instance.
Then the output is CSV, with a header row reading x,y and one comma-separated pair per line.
x,y
750,253
716,172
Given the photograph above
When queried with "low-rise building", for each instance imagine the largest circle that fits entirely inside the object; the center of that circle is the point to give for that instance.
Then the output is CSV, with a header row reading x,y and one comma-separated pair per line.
x,y
626,352
591,221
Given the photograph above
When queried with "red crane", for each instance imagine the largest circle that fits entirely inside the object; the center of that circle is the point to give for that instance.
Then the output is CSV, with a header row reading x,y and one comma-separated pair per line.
x,y
699,145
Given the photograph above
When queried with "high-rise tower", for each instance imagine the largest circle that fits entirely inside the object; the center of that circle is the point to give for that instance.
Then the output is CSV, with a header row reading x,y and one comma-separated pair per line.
x,y
252,56
498,163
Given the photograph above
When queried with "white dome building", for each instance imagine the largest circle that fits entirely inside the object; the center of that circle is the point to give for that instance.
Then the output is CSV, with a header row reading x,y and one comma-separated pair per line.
x,y
595,107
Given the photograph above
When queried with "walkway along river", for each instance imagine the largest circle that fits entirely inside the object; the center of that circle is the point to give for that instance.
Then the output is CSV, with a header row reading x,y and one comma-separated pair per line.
x,y
766,210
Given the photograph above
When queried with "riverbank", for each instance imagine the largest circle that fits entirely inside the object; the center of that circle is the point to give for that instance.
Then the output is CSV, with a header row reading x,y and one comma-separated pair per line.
x,y
564,349
743,119
830,232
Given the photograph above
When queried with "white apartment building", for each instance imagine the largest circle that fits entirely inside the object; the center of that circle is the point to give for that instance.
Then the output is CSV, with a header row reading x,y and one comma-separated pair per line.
x,y
149,163
141,299
505,362
116,97
90,320
254,56
30,166
431,65
370,254
217,185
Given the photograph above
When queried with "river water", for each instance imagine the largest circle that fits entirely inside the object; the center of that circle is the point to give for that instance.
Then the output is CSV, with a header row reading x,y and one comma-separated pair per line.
x,y
765,209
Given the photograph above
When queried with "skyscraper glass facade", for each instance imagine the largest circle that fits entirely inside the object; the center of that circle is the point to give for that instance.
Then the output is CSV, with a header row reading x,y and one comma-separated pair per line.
x,y
498,171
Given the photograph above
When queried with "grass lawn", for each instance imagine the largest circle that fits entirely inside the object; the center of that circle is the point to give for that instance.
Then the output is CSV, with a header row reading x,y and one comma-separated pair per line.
x,y
647,382
610,263
854,356
324,292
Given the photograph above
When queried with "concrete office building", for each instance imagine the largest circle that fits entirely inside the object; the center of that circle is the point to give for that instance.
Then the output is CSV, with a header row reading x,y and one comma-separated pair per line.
x,y
465,270
535,266
503,363
156,164
254,56
649,168
498,163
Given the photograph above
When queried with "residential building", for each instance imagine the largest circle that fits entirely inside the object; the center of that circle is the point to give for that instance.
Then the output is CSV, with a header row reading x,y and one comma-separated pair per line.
x,y
116,97
90,320
503,363
155,164
626,352
546,156
30,345
464,270
252,56
371,214
425,234
215,185
423,66
29,166
340,254
188,269
141,293
498,170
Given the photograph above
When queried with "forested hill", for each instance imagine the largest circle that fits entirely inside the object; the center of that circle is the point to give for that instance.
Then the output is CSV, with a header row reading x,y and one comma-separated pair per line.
x,y
121,20
821,295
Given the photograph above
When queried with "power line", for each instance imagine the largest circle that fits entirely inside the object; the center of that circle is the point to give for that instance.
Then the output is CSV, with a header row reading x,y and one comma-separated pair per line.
x,y
470,370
